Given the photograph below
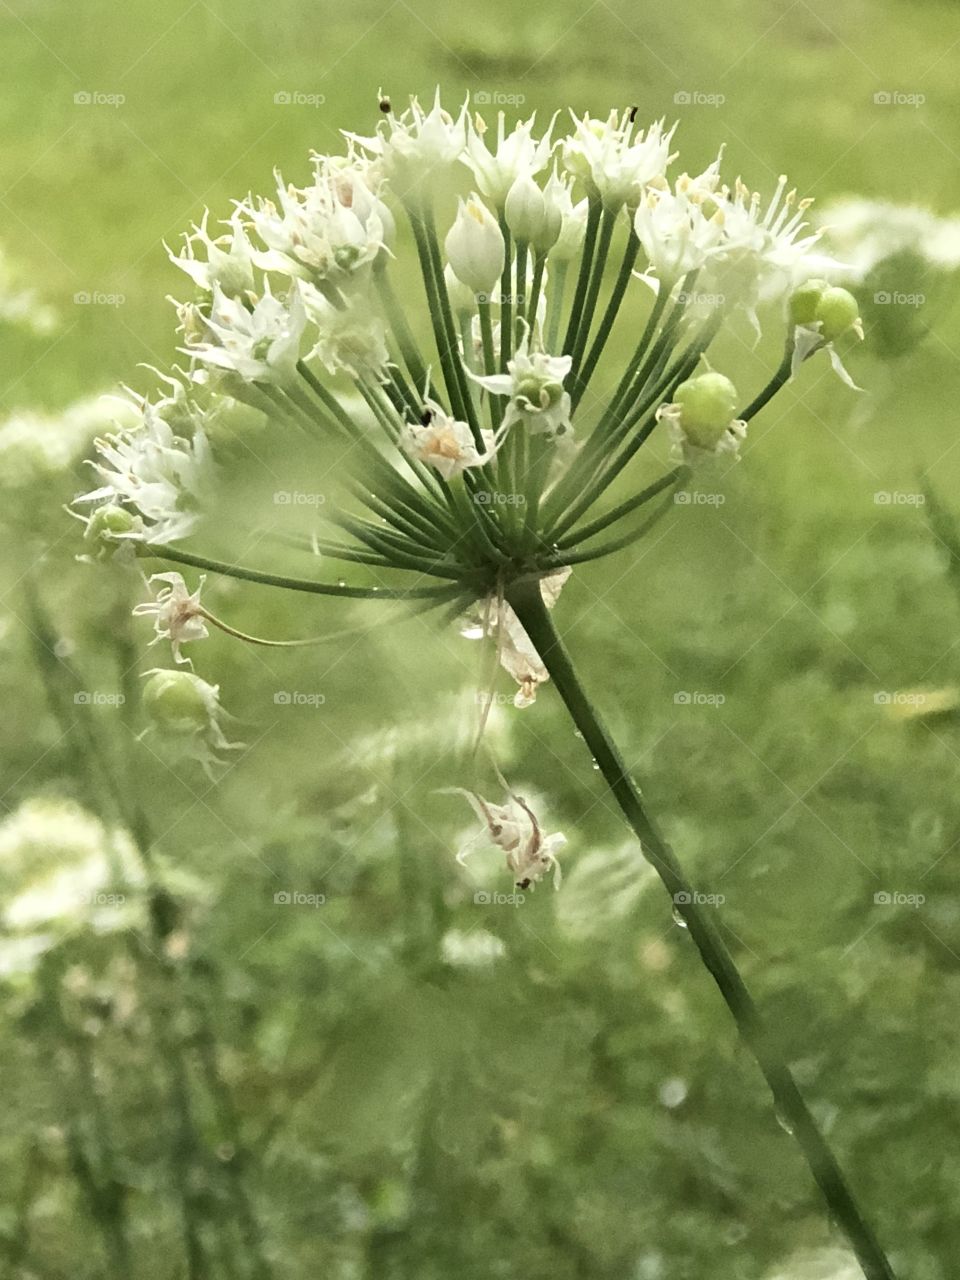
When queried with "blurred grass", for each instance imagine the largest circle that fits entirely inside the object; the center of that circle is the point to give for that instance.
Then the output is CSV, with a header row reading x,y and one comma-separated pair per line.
x,y
409,1118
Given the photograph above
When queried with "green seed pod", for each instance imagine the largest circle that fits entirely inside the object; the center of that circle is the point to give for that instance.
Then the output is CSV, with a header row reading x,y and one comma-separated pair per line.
x,y
708,405
178,702
109,522
838,311
805,300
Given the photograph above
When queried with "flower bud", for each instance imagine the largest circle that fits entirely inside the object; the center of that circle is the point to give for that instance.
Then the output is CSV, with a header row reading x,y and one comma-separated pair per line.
x,y
475,247
525,210
708,404
461,297
837,311
805,299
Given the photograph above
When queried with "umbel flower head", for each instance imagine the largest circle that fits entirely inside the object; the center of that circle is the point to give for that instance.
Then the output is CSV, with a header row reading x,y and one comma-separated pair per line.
x,y
428,316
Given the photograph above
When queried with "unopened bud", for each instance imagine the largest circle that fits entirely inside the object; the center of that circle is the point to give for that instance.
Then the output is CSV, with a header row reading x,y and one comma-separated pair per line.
x,y
708,405
475,247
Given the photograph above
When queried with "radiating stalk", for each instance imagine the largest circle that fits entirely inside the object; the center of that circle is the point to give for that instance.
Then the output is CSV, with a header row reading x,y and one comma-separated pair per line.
x,y
524,596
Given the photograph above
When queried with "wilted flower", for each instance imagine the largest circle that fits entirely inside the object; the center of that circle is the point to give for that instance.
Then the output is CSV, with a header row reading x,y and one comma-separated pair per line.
x,y
179,614
514,828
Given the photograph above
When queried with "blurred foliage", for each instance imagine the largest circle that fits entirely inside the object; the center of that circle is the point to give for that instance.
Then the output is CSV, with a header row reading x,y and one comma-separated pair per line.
x,y
201,1079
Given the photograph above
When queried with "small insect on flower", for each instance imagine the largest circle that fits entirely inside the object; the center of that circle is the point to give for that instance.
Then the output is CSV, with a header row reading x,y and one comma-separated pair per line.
x,y
513,827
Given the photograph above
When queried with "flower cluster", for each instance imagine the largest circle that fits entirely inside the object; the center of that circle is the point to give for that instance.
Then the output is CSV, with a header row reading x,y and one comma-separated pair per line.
x,y
454,371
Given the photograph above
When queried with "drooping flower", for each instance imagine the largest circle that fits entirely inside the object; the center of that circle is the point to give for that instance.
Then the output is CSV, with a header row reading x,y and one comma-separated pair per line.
x,y
445,443
615,160
185,715
517,154
178,614
157,476
534,385
514,828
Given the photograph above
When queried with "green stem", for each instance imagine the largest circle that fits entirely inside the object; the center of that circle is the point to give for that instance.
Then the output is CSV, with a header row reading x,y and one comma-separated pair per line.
x,y
583,277
524,596
778,380
163,552
583,369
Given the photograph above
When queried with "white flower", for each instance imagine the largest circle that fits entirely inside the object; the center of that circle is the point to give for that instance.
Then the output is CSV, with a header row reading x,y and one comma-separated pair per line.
x,y
159,476
179,615
514,828
614,160
262,344
679,229
866,232
475,247
349,338
228,260
445,443
411,146
517,154
763,253
328,232
534,385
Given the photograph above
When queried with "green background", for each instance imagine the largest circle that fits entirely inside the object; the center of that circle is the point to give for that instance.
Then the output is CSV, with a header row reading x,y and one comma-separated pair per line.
x,y
580,1106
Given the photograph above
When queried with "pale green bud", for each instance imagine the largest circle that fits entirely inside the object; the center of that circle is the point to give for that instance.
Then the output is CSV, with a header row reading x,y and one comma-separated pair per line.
x,y
805,299
178,702
838,311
